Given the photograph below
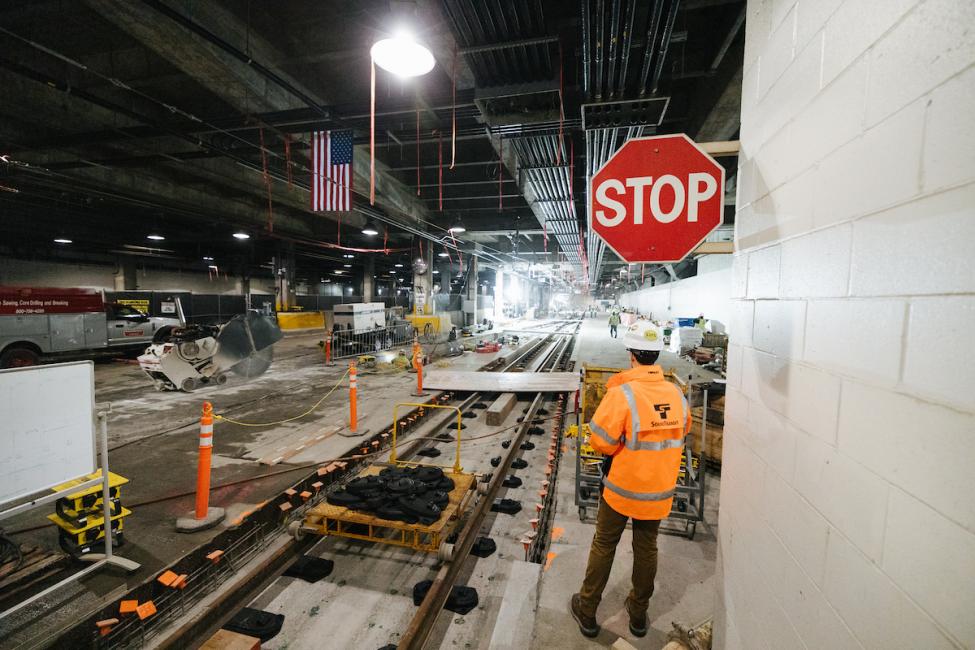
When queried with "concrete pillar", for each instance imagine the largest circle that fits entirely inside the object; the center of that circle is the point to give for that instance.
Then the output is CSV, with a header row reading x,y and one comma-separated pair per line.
x,y
423,283
368,282
284,276
499,294
125,276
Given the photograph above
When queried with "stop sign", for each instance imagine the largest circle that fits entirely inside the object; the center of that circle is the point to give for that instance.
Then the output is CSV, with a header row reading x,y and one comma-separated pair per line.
x,y
656,199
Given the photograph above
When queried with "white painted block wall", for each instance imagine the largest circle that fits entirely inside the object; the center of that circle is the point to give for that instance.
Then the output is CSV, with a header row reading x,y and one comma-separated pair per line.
x,y
847,514
708,292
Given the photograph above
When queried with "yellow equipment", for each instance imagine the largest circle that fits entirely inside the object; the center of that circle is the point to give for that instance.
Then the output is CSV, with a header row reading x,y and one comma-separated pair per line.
x,y
80,516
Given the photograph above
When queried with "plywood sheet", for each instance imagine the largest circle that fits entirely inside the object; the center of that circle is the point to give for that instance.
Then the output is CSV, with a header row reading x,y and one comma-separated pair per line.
x,y
501,382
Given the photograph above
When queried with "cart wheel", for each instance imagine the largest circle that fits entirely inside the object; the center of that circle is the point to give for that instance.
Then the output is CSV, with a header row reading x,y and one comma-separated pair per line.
x,y
220,379
188,385
482,488
582,513
693,531
446,552
296,531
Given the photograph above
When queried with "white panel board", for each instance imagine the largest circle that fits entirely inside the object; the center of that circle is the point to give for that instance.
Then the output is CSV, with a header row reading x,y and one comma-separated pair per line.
x,y
48,431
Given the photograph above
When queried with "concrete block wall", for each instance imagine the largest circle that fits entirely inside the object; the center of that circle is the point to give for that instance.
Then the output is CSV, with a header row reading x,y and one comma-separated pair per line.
x,y
18,272
847,515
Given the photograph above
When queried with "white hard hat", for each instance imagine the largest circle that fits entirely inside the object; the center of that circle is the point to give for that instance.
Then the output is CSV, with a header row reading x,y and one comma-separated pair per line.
x,y
643,335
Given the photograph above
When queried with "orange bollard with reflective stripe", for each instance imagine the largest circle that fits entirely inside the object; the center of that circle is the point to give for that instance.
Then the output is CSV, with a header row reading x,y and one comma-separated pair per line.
x,y
353,397
328,348
203,466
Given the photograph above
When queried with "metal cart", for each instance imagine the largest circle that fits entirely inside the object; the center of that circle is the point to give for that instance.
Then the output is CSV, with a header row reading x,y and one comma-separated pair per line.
x,y
688,508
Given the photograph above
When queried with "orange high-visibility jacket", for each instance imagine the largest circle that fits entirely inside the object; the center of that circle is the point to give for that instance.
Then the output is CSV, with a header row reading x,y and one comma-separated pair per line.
x,y
641,423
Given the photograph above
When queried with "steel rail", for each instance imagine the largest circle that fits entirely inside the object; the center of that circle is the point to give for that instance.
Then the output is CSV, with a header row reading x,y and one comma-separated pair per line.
x,y
418,631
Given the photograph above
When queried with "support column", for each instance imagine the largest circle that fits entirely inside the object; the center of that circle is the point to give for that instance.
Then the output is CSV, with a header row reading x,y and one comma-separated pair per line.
x,y
368,282
284,277
423,284
499,294
125,276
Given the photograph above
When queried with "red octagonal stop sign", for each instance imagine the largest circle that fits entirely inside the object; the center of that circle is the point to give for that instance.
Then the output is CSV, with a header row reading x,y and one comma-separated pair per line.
x,y
656,199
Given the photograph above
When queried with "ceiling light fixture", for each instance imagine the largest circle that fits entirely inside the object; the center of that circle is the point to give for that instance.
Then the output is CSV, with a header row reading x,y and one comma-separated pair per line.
x,y
348,266
155,237
399,266
62,240
457,227
402,56
241,235
370,229
443,254
348,256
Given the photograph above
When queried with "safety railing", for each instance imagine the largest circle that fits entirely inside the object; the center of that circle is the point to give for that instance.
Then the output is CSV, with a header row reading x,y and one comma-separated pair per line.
x,y
352,343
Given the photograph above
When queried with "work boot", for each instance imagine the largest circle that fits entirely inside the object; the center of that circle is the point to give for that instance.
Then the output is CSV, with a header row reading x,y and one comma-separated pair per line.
x,y
587,624
638,623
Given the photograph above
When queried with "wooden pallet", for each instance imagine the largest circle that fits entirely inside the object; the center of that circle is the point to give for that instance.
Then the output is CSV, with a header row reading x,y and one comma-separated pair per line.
x,y
339,521
38,564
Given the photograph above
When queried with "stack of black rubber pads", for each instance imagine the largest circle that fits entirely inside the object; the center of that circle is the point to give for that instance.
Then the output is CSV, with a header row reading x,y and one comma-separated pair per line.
x,y
408,494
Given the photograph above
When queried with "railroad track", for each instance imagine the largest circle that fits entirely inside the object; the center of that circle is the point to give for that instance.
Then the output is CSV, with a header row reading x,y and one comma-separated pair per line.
x,y
264,528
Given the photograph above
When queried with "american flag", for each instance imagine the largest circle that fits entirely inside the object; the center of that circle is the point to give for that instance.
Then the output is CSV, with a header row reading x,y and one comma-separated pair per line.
x,y
331,174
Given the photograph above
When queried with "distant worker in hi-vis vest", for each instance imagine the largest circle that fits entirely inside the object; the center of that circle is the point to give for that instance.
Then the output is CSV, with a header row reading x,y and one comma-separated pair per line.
x,y
640,427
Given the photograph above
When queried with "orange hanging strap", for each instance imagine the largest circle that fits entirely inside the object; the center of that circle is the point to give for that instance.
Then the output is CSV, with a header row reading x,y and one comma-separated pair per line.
x,y
558,152
453,112
440,168
418,152
500,165
372,132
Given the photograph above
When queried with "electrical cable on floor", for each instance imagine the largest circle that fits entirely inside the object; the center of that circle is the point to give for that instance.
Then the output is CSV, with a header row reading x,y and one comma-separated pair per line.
x,y
292,419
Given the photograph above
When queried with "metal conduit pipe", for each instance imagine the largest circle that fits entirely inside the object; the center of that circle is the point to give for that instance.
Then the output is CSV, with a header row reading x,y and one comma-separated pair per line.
x,y
627,43
613,42
664,46
586,9
600,34
648,47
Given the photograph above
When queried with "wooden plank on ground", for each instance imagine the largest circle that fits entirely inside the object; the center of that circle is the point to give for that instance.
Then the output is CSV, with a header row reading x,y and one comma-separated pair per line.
x,y
501,382
500,408
285,452
227,640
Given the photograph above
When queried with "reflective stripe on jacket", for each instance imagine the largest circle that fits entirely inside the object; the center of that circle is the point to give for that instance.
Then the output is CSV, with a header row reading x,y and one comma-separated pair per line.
x,y
641,422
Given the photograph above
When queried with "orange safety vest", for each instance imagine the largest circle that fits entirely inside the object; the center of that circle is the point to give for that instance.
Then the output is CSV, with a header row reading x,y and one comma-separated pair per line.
x,y
641,422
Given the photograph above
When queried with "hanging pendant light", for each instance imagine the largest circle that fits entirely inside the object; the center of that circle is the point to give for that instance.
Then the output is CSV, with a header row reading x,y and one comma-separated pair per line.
x,y
402,56
458,227
370,229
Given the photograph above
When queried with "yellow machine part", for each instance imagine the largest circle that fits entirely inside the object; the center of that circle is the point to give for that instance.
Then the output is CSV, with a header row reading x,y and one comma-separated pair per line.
x,y
438,323
90,531
114,481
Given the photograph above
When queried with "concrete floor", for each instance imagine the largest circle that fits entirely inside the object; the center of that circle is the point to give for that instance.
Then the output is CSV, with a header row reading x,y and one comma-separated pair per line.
x,y
154,443
684,589
153,438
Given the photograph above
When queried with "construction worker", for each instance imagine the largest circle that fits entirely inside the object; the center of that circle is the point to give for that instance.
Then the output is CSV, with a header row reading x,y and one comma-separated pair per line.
x,y
701,323
614,321
639,426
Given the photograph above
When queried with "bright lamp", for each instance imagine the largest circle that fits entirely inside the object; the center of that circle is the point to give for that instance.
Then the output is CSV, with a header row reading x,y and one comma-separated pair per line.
x,y
402,56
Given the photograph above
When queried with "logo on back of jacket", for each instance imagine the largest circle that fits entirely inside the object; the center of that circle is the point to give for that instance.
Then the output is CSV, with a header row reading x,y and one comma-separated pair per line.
x,y
663,410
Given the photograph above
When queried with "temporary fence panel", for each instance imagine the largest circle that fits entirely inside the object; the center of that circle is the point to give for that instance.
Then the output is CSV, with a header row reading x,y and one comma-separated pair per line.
x,y
351,343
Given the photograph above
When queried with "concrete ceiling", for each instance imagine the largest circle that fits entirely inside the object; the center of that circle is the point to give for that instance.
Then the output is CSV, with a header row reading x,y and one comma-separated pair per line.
x,y
123,116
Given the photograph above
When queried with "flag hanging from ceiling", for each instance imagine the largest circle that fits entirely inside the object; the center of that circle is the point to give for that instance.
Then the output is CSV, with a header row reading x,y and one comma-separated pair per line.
x,y
331,174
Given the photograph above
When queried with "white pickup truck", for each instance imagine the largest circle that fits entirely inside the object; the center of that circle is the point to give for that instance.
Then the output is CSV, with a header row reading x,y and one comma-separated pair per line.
x,y
40,322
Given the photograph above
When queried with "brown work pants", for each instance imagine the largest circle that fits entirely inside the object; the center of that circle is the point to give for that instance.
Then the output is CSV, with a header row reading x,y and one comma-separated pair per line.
x,y
609,528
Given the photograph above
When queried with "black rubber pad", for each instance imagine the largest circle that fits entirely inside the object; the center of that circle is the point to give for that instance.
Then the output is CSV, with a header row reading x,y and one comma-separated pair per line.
x,y
310,569
506,506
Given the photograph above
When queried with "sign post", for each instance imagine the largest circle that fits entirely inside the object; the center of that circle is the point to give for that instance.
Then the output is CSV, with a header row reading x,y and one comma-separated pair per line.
x,y
656,199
